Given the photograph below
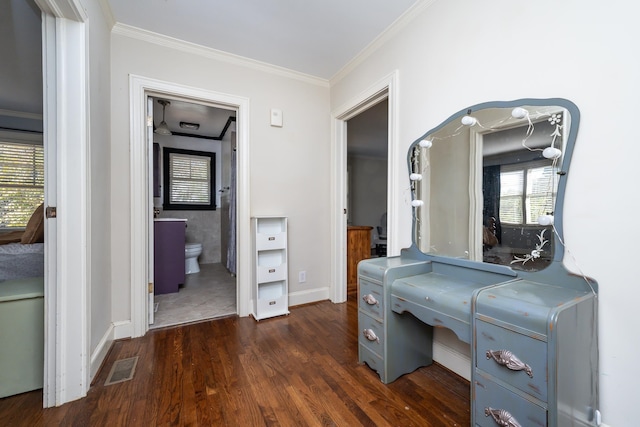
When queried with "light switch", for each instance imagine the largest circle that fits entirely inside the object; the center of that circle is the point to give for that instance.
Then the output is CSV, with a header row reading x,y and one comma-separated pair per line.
x,y
276,117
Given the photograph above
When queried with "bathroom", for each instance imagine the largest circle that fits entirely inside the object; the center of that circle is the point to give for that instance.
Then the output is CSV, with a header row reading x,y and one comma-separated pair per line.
x,y
208,133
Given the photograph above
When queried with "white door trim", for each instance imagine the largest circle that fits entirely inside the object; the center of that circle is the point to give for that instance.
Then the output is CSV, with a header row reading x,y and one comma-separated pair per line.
x,y
141,213
66,140
386,87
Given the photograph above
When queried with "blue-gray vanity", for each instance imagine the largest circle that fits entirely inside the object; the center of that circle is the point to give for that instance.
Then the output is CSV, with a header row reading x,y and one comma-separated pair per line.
x,y
486,262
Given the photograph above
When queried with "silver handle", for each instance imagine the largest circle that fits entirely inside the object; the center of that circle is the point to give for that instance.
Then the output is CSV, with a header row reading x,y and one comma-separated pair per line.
x,y
370,299
370,335
510,360
501,417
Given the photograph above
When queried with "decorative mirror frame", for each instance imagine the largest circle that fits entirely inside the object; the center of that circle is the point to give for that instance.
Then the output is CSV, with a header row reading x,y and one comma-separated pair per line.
x,y
563,169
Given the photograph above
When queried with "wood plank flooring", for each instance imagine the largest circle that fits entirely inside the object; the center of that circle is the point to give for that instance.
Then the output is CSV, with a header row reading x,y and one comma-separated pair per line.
x,y
296,370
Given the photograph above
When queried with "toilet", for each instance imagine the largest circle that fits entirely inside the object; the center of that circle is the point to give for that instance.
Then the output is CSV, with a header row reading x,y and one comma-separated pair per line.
x,y
191,253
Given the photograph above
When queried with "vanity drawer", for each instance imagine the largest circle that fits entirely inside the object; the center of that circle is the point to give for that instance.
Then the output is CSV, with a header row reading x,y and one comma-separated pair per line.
x,y
371,333
521,360
491,397
371,299
373,360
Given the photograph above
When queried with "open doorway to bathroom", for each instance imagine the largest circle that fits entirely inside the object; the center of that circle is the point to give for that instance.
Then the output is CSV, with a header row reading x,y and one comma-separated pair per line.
x,y
193,180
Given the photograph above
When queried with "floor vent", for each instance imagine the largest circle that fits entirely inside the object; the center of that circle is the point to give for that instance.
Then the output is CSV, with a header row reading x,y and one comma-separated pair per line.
x,y
122,370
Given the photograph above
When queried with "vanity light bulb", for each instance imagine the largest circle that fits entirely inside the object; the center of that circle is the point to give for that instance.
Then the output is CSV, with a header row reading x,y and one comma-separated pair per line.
x,y
545,220
551,153
415,177
469,121
417,203
425,143
519,113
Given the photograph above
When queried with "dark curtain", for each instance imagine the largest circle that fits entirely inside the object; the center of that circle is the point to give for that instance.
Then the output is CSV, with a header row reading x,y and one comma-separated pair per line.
x,y
491,197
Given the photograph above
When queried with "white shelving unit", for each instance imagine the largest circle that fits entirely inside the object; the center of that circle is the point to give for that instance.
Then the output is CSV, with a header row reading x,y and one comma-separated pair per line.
x,y
270,292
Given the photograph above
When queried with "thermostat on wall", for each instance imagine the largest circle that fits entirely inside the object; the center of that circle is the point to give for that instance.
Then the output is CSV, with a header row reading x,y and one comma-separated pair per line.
x,y
276,117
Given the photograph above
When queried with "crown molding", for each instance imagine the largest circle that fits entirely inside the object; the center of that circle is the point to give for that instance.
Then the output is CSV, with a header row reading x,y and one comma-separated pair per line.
x,y
392,30
196,49
107,13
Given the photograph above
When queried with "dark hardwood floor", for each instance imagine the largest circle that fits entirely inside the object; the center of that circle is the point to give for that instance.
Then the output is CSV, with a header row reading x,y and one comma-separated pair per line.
x,y
296,370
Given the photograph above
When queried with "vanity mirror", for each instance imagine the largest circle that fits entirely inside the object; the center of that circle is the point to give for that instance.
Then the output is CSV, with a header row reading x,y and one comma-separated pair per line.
x,y
488,183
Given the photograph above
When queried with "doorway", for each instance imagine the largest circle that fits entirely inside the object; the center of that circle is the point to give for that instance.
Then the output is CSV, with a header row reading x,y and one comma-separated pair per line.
x,y
142,213
384,89
200,137
367,176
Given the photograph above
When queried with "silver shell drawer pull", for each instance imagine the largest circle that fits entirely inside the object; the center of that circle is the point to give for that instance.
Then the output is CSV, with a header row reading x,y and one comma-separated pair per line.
x,y
370,299
370,335
510,360
501,417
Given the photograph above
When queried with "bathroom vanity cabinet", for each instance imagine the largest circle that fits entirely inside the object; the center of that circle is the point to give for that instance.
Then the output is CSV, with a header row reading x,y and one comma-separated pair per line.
x,y
168,255
270,290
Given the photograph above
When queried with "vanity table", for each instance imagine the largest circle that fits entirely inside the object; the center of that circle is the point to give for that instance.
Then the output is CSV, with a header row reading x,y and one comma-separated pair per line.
x,y
531,325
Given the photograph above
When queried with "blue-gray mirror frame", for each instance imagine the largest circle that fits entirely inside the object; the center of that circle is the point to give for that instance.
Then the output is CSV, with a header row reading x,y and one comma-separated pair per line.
x,y
574,113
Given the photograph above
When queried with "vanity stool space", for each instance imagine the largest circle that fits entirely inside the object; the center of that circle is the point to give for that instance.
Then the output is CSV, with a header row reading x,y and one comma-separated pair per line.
x,y
488,265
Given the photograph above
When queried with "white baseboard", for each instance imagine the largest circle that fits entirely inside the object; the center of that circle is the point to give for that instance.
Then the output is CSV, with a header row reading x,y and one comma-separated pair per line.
x,y
122,329
452,359
306,297
100,352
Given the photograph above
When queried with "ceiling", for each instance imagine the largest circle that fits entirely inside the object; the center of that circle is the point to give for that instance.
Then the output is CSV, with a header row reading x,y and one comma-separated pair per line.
x,y
313,37
212,120
317,38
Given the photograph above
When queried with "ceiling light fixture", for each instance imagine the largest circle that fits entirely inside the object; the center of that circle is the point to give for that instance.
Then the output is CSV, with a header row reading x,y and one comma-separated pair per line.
x,y
190,126
163,129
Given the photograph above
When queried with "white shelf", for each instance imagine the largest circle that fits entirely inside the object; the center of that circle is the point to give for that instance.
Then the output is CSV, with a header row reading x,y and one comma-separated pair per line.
x,y
270,291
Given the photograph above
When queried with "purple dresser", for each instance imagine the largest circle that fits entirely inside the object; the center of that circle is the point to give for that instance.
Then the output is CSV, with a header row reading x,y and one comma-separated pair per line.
x,y
168,255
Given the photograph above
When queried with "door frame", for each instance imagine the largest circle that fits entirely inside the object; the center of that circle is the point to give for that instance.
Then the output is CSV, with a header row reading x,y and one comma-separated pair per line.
x,y
66,373
142,213
387,87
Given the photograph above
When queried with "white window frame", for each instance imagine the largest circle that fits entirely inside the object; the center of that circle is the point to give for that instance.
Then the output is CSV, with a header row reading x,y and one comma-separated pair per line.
x,y
525,168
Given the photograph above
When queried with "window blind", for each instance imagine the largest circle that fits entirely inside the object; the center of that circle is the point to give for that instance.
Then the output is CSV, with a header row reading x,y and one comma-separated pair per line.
x,y
190,179
21,182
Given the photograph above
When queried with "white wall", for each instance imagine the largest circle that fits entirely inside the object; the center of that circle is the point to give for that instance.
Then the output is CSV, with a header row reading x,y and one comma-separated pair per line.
x,y
99,170
367,190
288,165
459,53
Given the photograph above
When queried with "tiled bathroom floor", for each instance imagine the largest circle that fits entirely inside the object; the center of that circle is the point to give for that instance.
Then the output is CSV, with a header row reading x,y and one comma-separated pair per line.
x,y
205,295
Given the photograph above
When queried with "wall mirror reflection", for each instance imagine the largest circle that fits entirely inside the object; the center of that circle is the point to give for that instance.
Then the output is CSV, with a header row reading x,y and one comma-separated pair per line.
x,y
488,183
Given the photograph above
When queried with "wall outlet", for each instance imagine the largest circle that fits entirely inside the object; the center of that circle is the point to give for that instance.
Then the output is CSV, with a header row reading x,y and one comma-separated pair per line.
x,y
302,277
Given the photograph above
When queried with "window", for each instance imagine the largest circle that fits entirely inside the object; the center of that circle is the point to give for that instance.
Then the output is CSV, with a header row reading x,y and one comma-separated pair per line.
x,y
526,192
189,179
21,182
